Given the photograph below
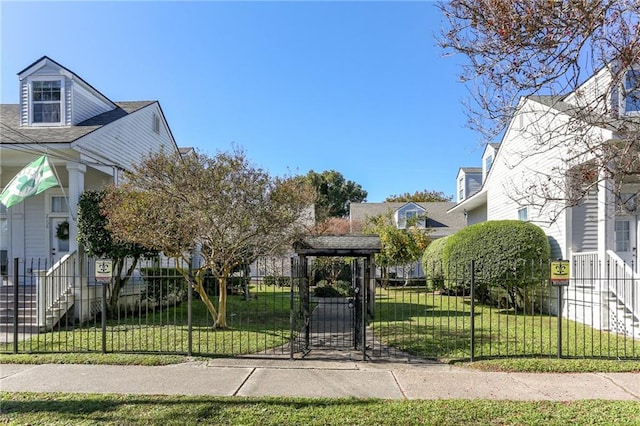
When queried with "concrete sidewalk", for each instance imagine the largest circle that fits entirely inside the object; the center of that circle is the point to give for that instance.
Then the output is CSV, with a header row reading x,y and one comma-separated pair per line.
x,y
317,378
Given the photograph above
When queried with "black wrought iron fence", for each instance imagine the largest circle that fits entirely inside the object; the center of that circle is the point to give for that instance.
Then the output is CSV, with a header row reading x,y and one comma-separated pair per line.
x,y
453,312
56,308
509,309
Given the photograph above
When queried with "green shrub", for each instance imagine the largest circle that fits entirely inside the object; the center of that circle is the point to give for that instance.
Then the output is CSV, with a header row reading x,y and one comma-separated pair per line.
x,y
341,289
279,281
163,286
432,263
509,253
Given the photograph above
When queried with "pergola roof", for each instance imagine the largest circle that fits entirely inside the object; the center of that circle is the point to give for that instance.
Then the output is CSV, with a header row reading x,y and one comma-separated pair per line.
x,y
338,245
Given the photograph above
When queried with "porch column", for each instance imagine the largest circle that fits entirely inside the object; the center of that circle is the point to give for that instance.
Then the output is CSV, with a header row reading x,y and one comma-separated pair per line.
x,y
76,187
606,223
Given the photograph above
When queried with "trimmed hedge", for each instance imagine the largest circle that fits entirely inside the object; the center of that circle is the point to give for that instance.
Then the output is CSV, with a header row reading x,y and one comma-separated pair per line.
x,y
432,262
509,253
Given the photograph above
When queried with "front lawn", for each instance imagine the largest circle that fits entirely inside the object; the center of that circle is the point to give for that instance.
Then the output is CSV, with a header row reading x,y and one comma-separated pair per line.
x,y
59,409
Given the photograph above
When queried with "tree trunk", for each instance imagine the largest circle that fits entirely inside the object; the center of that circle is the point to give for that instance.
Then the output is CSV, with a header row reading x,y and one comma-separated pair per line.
x,y
222,305
118,284
199,288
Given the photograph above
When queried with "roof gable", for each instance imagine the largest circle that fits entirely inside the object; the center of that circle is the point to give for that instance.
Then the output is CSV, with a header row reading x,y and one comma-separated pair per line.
x,y
49,67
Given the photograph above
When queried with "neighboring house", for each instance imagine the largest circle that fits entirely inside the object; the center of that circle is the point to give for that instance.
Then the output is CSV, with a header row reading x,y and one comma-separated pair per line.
x,y
90,141
433,217
530,176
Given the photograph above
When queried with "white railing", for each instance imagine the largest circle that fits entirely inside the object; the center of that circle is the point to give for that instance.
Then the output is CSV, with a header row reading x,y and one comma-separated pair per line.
x,y
623,283
585,269
55,290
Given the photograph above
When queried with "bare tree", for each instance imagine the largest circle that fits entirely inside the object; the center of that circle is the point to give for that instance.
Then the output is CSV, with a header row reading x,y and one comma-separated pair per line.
x,y
222,207
575,66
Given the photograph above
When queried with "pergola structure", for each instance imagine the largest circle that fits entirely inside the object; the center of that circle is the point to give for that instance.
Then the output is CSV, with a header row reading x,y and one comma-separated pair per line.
x,y
358,246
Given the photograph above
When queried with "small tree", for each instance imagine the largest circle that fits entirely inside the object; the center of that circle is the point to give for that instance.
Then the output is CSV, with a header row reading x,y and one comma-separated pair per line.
x,y
400,247
98,241
223,208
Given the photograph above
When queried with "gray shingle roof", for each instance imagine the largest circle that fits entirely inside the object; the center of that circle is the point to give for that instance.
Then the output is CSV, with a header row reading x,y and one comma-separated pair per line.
x,y
339,245
12,132
439,221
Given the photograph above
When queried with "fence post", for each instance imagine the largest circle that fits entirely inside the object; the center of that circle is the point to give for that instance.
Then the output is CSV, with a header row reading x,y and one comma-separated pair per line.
x,y
473,310
16,295
559,287
104,317
190,310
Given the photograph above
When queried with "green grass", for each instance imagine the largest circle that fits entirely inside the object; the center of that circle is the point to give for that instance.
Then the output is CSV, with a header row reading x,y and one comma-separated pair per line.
x,y
436,326
257,324
421,323
64,409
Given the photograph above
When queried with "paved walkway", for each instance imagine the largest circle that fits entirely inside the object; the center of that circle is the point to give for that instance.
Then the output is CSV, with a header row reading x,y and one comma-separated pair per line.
x,y
320,373
317,378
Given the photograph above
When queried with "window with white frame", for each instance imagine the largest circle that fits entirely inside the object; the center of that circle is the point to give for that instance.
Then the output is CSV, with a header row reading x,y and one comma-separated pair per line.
x,y
461,189
523,214
46,101
487,164
414,218
59,204
632,92
622,235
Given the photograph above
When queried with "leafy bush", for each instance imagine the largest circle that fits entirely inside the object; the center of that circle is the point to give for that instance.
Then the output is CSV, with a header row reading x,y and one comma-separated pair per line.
x,y
164,286
510,253
432,263
279,281
341,289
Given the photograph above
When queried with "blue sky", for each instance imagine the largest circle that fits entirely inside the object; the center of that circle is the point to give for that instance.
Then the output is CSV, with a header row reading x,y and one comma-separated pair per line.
x,y
358,87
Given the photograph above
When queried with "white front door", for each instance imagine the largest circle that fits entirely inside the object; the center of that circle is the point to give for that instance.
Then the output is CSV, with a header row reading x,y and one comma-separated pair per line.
x,y
626,239
58,246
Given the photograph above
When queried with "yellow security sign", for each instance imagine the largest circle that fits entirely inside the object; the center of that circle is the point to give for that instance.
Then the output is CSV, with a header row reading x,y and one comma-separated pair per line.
x,y
560,271
104,269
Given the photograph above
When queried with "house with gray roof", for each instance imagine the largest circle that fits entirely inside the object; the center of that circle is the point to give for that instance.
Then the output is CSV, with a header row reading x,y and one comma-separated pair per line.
x,y
432,216
89,141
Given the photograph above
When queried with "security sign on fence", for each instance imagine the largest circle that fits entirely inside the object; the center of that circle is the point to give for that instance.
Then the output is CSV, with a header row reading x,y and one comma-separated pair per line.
x,y
104,270
560,272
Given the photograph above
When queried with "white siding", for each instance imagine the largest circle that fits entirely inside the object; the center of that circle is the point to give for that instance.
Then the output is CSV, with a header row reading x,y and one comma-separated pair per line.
x,y
129,139
476,215
85,105
594,92
24,103
520,163
36,236
584,224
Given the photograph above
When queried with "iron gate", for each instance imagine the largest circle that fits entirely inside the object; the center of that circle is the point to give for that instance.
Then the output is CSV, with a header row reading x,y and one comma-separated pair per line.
x,y
334,323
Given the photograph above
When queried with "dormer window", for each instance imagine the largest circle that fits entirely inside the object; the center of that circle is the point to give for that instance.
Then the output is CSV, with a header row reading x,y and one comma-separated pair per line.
x,y
412,218
632,92
487,164
46,102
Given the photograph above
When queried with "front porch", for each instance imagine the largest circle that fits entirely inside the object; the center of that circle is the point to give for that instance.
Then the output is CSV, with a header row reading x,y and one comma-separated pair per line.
x,y
604,292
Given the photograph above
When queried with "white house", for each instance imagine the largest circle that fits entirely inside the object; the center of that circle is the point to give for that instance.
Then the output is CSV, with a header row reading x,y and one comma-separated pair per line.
x,y
89,140
543,171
